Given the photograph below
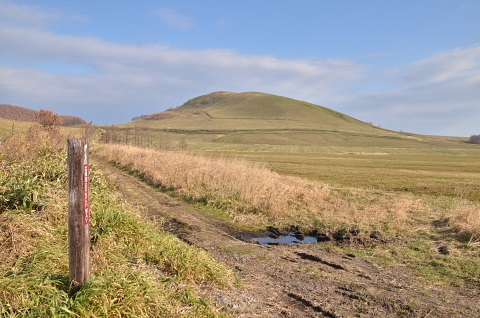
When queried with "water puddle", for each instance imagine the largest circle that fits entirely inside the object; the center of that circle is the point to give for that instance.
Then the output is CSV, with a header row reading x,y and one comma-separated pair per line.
x,y
295,235
275,236
284,239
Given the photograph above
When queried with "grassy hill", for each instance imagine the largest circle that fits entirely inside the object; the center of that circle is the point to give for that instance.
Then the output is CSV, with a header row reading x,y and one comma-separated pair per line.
x,y
228,120
252,110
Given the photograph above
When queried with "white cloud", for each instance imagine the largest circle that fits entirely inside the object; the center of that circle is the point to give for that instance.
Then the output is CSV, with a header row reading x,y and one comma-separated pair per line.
x,y
446,67
25,15
151,78
442,90
173,19
43,69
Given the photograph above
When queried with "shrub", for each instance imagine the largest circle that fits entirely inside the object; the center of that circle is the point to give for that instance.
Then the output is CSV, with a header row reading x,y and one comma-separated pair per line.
x,y
474,139
27,164
49,120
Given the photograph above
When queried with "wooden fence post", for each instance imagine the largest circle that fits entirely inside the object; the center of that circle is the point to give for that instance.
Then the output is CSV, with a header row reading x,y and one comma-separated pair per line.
x,y
78,213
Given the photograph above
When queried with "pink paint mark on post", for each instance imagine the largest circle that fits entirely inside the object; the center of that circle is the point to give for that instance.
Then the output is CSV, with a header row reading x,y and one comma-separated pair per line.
x,y
86,181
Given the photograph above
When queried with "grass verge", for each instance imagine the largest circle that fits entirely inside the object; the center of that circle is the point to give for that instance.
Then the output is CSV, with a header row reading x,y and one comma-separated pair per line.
x,y
137,271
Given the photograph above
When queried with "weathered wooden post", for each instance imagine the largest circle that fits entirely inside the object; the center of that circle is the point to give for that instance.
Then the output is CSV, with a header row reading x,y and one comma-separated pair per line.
x,y
78,213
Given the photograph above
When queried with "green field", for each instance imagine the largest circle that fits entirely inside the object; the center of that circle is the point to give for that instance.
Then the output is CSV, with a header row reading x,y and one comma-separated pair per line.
x,y
9,127
452,173
14,127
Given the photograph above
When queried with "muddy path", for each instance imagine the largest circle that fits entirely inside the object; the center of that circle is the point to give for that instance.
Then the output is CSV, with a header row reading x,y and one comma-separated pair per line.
x,y
298,280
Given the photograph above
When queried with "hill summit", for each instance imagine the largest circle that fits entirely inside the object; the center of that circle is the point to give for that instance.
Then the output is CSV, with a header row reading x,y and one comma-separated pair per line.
x,y
252,110
226,119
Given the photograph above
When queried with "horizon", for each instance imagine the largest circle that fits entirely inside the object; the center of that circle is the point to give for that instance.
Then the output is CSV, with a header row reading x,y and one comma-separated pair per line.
x,y
410,66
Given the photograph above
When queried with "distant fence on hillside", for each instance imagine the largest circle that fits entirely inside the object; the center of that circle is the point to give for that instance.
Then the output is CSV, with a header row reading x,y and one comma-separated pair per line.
x,y
142,137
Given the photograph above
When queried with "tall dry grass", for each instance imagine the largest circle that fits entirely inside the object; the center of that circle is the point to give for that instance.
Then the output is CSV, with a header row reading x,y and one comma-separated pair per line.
x,y
244,188
238,186
464,218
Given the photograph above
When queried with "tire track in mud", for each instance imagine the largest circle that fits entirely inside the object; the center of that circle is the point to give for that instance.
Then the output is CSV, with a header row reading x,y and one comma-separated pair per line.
x,y
190,225
299,280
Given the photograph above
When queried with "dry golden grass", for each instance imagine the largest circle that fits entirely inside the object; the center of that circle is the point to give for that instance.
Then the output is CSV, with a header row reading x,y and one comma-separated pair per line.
x,y
413,226
245,189
373,209
254,194
238,186
465,219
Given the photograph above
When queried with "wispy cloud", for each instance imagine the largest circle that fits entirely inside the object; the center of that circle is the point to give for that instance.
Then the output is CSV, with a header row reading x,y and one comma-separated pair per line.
x,y
172,18
110,82
461,64
25,15
441,89
154,77
35,16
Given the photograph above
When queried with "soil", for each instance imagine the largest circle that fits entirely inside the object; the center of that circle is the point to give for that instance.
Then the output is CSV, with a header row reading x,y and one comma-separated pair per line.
x,y
295,280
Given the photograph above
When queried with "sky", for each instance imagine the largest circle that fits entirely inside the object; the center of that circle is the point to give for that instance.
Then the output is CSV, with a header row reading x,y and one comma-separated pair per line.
x,y
405,65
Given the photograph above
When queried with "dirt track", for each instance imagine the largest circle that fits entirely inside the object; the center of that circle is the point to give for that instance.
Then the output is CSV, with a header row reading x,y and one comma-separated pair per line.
x,y
299,280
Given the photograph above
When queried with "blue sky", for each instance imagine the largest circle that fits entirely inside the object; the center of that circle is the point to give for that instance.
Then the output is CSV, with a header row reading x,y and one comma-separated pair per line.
x,y
404,65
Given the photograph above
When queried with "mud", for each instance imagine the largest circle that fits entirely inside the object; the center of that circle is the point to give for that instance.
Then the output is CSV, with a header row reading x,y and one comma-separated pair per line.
x,y
299,280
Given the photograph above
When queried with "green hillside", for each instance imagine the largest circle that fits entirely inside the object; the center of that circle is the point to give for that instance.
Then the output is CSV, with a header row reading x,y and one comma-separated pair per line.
x,y
240,111
225,120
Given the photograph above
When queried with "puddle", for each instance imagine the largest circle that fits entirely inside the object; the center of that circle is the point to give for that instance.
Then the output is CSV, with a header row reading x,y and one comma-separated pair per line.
x,y
275,236
284,239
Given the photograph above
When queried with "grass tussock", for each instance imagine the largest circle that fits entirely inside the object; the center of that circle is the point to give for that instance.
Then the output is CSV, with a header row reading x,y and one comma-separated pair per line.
x,y
465,220
371,209
137,271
